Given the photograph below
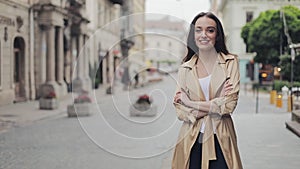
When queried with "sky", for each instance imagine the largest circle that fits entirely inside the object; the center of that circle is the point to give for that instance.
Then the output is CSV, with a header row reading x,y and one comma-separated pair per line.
x,y
182,9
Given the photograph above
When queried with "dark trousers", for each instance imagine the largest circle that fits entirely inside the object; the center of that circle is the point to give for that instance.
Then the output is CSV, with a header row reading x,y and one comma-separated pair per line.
x,y
196,156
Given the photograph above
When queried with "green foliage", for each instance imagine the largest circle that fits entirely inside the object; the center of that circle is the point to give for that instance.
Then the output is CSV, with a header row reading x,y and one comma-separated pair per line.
x,y
264,34
296,84
278,84
285,65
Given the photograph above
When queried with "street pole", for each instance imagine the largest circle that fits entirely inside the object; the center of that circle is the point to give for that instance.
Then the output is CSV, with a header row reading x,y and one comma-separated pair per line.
x,y
257,97
292,65
292,73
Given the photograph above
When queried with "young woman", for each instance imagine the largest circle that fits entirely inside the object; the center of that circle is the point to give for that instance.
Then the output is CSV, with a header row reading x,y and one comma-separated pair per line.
x,y
207,94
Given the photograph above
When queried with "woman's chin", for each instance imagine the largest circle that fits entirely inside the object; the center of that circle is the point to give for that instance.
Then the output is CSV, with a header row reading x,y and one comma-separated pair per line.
x,y
206,47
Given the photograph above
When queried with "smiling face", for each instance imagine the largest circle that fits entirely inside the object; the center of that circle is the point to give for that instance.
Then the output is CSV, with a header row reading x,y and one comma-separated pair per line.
x,y
205,33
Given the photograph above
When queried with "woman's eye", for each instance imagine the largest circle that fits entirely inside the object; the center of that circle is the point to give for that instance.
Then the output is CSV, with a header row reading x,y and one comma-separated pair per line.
x,y
212,30
198,30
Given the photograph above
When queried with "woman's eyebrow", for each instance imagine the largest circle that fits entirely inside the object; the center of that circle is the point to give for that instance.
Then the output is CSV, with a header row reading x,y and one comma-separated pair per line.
x,y
206,27
211,27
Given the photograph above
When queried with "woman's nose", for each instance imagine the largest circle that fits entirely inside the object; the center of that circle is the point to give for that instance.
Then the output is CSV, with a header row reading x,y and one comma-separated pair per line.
x,y
203,34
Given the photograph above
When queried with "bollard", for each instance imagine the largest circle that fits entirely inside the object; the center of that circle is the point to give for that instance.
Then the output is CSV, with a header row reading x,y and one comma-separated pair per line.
x,y
290,103
279,101
273,96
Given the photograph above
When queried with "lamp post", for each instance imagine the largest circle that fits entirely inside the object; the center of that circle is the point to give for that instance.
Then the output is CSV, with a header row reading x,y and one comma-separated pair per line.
x,y
292,65
293,54
125,46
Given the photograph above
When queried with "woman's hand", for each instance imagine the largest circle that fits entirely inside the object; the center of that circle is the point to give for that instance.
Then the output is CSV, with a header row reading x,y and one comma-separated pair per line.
x,y
198,114
177,97
227,88
182,97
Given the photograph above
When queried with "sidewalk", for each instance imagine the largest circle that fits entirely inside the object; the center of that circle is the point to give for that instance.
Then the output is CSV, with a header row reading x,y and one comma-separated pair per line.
x,y
24,113
263,140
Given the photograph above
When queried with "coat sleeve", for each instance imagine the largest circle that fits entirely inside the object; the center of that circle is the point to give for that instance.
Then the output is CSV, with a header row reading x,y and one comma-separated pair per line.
x,y
226,105
183,112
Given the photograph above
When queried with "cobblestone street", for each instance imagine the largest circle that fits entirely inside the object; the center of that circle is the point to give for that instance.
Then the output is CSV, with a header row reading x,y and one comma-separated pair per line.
x,y
110,138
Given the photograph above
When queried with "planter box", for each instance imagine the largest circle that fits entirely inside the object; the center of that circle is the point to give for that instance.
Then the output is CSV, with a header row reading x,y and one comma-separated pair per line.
x,y
147,110
79,109
48,104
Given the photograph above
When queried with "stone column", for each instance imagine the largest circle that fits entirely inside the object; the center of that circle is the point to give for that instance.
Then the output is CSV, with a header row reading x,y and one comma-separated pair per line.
x,y
50,59
104,71
73,58
86,60
85,56
43,55
60,62
81,82
80,56
50,84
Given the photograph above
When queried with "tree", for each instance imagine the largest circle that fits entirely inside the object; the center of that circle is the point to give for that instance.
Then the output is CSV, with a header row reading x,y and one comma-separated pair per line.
x,y
265,35
285,64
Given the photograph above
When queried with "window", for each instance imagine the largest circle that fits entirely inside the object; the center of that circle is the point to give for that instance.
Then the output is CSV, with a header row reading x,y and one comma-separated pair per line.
x,y
249,16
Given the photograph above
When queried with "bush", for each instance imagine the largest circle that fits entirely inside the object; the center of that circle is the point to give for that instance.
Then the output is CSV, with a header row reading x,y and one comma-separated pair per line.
x,y
278,84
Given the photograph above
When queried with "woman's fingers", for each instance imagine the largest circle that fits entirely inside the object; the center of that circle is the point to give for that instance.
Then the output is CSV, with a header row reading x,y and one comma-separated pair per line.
x,y
198,114
177,97
227,88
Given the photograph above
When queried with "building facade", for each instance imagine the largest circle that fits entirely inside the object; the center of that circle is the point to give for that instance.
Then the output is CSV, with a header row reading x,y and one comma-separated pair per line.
x,y
234,15
133,40
104,42
165,42
53,45
16,71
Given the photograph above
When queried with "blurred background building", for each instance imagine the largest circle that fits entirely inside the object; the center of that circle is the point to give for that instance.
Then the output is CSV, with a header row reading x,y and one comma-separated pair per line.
x,y
133,41
165,42
235,14
41,42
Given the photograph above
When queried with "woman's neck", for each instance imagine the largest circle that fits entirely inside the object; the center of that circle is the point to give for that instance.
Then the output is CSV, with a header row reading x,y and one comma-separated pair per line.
x,y
206,62
208,55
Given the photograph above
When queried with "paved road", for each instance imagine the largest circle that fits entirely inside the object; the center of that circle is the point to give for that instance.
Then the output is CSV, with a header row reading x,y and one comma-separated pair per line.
x,y
108,139
264,142
111,139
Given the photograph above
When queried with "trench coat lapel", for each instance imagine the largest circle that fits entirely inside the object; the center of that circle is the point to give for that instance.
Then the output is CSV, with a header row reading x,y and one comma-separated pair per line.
x,y
193,82
219,75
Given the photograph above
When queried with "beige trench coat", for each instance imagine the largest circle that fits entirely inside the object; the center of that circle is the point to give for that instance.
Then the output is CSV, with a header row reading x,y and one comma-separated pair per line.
x,y
227,66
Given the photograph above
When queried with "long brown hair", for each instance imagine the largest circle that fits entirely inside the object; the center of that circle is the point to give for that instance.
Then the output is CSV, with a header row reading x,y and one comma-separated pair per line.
x,y
192,48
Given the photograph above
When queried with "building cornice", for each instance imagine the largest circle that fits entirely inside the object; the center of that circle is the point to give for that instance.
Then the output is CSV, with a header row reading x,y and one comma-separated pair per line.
x,y
221,5
15,4
49,7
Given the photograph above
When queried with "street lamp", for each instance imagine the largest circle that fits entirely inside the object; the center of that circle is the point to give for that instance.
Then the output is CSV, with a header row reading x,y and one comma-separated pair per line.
x,y
293,54
125,46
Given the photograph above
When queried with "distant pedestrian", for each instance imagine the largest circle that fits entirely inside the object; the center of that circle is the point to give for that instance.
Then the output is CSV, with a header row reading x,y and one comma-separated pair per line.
x,y
206,96
136,79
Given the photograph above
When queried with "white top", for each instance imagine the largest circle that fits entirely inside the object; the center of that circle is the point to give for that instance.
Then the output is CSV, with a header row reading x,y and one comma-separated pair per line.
x,y
204,83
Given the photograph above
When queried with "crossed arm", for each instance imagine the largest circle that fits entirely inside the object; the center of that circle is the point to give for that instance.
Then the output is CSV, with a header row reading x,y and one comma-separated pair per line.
x,y
201,108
